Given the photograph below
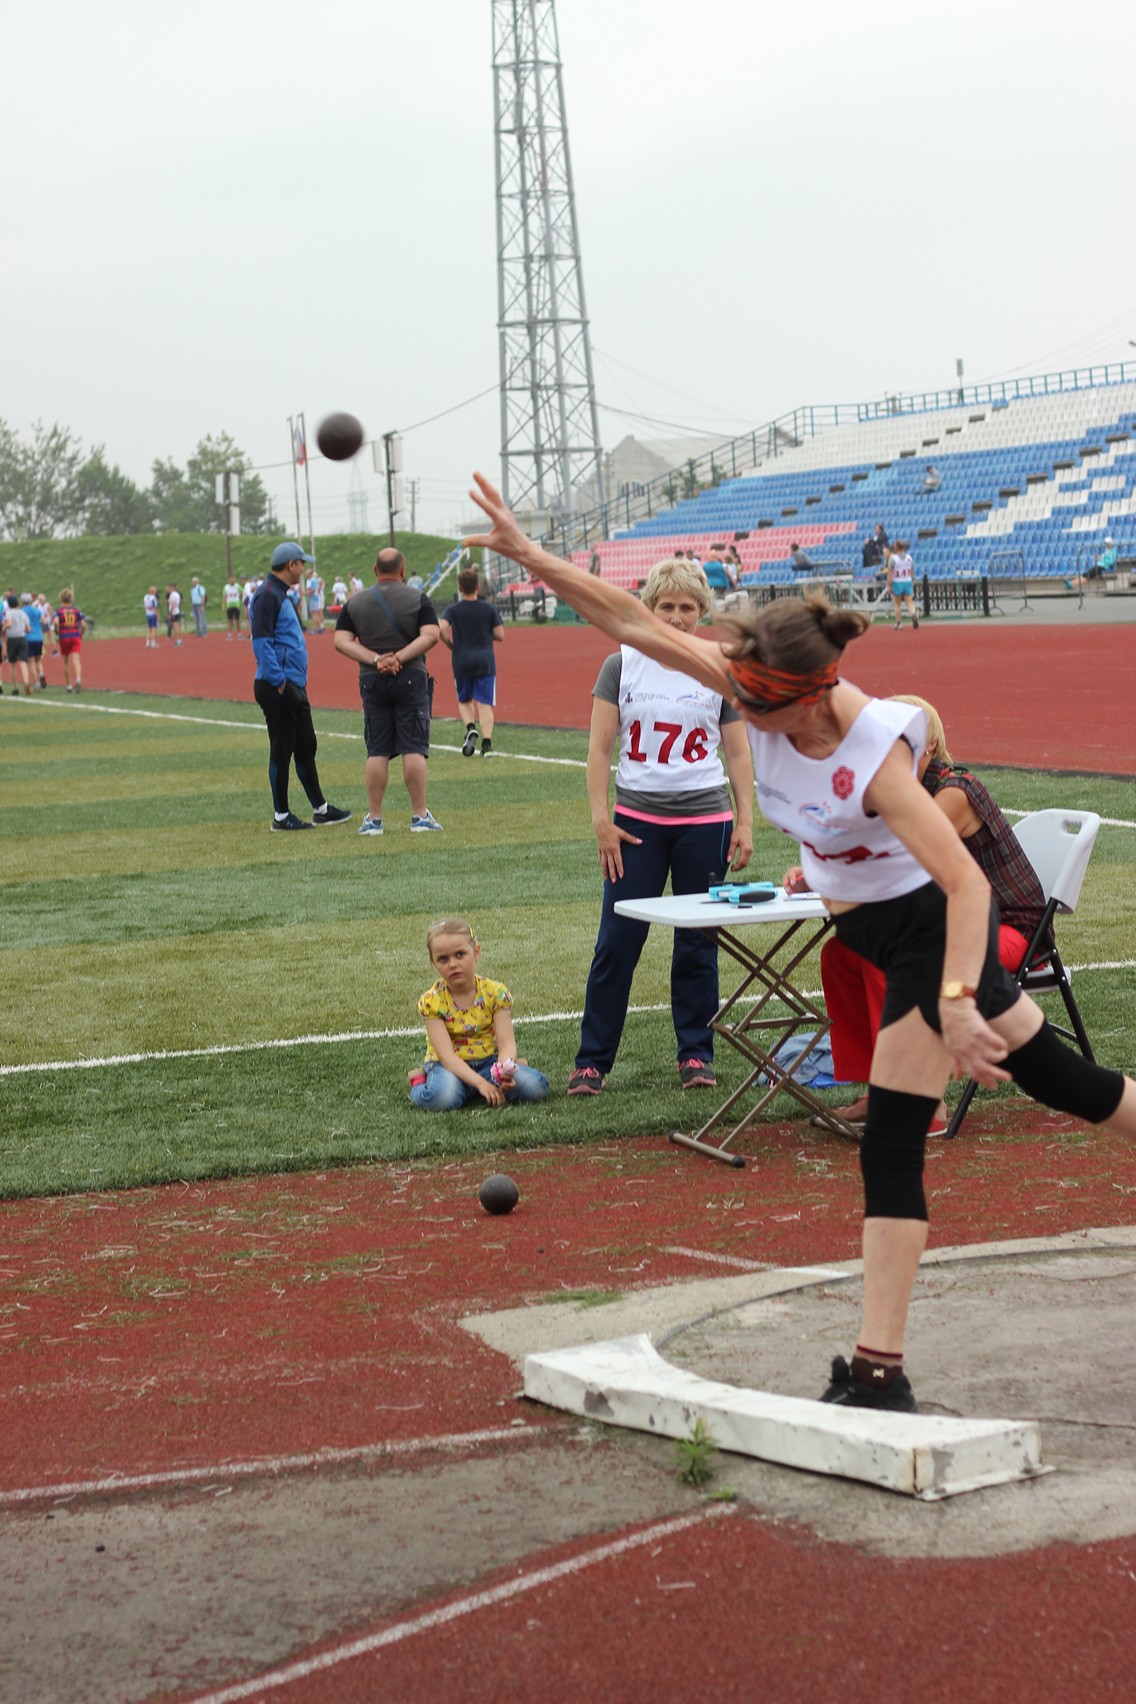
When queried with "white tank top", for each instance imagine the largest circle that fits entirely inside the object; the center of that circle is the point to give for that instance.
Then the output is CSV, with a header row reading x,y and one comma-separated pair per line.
x,y
845,854
668,729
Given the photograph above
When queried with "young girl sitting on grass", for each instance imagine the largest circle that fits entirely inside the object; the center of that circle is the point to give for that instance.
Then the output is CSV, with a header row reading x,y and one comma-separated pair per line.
x,y
470,1047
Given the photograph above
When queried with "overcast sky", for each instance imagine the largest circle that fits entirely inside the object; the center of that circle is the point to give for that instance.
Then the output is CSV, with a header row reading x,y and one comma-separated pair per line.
x,y
217,215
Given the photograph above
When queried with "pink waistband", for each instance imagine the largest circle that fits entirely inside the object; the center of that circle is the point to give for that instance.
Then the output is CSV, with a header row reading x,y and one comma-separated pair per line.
x,y
674,821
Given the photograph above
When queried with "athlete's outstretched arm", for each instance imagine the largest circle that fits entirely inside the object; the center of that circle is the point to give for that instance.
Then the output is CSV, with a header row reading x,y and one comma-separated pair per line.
x,y
607,607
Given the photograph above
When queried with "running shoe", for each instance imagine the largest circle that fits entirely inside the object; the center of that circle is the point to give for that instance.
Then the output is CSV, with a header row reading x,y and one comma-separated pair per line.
x,y
469,744
371,825
915,622
425,825
697,1074
585,1080
290,822
331,814
898,1397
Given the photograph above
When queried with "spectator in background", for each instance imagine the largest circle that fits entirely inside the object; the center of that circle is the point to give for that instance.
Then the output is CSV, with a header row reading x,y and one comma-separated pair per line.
x,y
70,626
883,541
930,478
150,610
197,596
901,585
594,565
471,627
339,593
801,562
231,598
388,632
715,570
733,563
314,590
248,592
15,626
173,614
1104,564
35,640
281,690
356,584
871,555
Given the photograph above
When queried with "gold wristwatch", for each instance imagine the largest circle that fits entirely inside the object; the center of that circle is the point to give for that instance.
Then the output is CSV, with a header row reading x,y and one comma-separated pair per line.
x,y
957,991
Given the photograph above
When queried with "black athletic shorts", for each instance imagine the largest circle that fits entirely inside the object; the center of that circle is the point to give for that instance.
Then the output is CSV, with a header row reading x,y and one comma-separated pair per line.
x,y
396,713
906,938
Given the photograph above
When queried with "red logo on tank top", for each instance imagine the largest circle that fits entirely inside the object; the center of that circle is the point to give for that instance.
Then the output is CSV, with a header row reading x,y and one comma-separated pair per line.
x,y
843,781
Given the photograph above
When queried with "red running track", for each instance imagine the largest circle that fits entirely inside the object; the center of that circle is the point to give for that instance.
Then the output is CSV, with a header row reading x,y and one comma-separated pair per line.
x,y
1032,697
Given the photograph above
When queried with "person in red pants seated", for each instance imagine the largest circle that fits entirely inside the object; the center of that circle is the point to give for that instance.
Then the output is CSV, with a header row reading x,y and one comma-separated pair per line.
x,y
854,989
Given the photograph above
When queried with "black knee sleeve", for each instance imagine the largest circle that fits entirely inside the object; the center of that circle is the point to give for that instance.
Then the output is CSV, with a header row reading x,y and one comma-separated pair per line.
x,y
1060,1077
891,1153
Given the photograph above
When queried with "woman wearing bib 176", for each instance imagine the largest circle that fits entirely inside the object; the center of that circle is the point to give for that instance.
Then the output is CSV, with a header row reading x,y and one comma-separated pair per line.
x,y
837,770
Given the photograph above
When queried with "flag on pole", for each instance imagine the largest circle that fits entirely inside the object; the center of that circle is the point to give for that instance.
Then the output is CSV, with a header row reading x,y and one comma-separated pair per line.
x,y
299,447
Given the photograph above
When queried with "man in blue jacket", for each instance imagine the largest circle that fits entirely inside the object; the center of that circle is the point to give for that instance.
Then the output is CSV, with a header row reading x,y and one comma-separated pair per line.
x,y
280,688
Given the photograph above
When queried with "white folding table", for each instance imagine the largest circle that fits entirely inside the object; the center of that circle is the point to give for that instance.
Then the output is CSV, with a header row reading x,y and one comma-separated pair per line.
x,y
755,937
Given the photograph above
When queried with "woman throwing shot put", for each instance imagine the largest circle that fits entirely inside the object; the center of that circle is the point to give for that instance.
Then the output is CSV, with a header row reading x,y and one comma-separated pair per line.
x,y
837,770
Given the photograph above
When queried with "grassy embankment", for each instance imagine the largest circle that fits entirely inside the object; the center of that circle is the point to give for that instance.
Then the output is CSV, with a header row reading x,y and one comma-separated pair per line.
x,y
110,575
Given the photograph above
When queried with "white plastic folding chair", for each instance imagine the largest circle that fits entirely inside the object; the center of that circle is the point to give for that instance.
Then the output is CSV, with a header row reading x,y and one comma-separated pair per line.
x,y
1059,845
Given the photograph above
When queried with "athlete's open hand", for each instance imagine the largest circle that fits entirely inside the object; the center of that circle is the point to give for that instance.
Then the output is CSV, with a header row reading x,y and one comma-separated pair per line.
x,y
505,536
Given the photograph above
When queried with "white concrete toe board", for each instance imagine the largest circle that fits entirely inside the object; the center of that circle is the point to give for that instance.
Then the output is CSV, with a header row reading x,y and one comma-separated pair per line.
x,y
625,1382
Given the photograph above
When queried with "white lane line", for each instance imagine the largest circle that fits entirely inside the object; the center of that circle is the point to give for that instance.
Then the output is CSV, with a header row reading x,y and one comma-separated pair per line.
x,y
424,1623
721,1259
267,1465
393,1034
258,728
220,1049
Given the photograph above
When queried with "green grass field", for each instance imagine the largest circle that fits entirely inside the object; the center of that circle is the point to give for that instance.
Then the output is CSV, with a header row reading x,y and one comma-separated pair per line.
x,y
148,910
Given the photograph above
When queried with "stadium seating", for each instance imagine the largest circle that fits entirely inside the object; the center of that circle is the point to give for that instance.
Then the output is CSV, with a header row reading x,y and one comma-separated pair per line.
x,y
1037,481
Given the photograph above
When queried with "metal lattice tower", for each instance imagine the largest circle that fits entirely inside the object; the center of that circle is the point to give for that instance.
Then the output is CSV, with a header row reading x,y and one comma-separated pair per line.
x,y
550,436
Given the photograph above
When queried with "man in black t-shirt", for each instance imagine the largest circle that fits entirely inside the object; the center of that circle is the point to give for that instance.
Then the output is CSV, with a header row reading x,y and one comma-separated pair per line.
x,y
471,627
388,631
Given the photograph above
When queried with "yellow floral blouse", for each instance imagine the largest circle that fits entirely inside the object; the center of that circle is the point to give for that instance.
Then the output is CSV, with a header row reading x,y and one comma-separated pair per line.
x,y
470,1027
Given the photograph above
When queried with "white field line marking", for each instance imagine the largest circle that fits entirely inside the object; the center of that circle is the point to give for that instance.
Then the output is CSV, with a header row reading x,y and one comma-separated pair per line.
x,y
722,1259
284,1041
425,1623
394,1034
267,1465
258,727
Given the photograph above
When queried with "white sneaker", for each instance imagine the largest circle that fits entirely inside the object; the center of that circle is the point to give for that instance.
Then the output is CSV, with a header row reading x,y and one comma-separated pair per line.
x,y
425,825
371,825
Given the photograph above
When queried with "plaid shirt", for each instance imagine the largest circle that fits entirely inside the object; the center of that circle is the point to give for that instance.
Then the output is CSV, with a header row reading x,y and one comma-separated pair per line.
x,y
996,849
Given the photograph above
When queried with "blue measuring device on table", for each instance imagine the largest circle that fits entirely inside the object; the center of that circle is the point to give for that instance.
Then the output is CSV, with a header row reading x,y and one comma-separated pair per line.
x,y
745,893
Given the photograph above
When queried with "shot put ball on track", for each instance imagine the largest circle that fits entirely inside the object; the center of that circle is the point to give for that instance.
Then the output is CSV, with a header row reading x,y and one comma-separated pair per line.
x,y
498,1194
339,436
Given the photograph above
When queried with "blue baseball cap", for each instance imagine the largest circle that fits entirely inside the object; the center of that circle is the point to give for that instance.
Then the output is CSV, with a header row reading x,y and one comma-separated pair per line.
x,y
285,553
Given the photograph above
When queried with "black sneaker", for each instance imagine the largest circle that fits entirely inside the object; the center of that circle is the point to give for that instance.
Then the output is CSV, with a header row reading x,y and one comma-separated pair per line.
x,y
585,1080
469,744
696,1074
898,1397
290,822
331,814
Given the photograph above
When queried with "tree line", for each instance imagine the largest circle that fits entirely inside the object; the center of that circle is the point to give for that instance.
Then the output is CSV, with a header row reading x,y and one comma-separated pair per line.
x,y
50,487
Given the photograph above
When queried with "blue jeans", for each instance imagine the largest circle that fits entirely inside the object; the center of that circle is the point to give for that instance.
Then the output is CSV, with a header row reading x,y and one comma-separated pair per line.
x,y
444,1092
693,855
